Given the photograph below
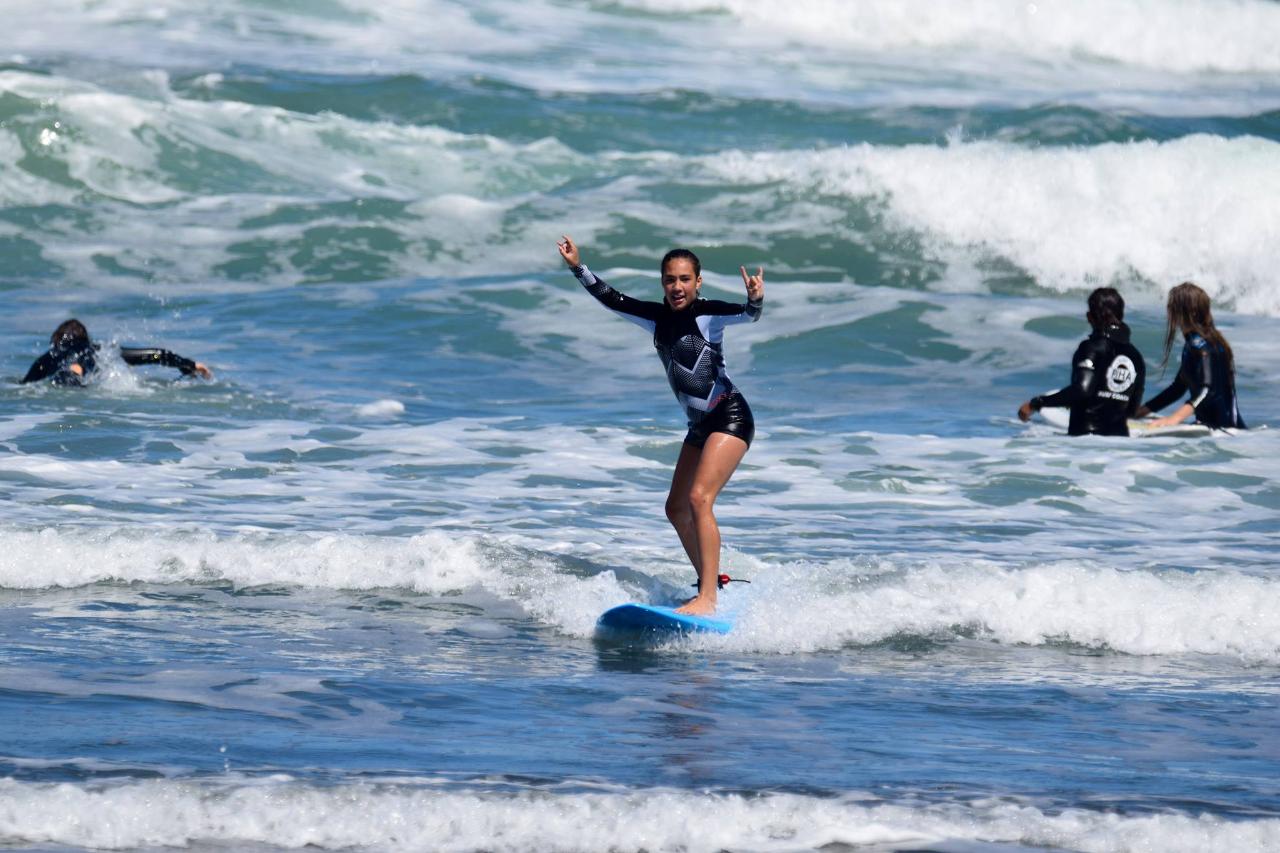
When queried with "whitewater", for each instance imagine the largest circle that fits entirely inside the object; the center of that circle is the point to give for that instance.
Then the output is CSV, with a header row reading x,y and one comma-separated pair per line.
x,y
343,595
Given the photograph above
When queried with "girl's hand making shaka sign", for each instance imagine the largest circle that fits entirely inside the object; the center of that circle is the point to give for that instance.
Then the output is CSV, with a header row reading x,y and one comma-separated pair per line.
x,y
754,283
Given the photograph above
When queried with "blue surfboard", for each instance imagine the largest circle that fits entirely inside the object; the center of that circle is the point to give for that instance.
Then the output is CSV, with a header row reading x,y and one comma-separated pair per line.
x,y
656,619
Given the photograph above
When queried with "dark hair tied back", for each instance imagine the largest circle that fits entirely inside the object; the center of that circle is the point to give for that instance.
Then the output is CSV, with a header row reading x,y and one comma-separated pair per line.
x,y
1107,307
681,254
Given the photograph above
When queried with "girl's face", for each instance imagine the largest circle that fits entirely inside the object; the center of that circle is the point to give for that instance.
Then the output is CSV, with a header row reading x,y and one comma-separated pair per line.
x,y
680,283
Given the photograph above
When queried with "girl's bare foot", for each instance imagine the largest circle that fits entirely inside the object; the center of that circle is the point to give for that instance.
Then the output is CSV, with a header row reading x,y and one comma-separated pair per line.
x,y
699,605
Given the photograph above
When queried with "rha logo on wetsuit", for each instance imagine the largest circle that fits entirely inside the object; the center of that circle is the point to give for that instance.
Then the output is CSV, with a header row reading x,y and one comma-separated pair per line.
x,y
1107,378
1120,378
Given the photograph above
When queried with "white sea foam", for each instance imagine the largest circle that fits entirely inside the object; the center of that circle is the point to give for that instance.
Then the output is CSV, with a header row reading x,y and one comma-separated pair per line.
x,y
1200,35
381,409
1198,208
349,34
806,608
455,187
840,490
416,814
788,608
430,563
328,155
1181,55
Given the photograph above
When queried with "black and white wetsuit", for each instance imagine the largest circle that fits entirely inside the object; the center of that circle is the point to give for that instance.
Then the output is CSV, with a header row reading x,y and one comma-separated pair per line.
x,y
1206,372
56,363
1107,376
689,343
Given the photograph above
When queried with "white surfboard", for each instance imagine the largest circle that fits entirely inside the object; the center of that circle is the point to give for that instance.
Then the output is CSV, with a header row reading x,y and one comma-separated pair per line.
x,y
1060,416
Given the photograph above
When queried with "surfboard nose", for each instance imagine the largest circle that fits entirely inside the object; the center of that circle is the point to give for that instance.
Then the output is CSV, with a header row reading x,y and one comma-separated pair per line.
x,y
656,619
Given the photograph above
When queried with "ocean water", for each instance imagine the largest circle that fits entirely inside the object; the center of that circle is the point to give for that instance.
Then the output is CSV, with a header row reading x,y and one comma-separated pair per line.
x,y
342,597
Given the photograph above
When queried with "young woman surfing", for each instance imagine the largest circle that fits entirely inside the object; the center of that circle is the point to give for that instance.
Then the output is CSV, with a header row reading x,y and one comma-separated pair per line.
x,y
687,333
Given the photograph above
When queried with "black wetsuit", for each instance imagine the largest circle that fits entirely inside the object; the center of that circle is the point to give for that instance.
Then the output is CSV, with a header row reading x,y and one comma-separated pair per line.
x,y
1206,372
689,343
1107,375
56,363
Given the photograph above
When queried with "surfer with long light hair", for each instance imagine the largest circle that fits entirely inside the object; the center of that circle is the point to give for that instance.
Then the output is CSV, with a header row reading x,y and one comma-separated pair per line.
x,y
1207,370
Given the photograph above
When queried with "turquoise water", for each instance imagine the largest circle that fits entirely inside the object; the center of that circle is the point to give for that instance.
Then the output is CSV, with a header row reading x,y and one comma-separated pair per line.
x,y
344,594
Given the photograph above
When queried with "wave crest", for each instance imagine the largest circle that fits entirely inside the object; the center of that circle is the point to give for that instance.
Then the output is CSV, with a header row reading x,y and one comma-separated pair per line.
x,y
284,814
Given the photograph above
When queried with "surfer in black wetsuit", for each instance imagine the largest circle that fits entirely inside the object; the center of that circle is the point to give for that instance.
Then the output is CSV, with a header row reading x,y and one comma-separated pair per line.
x,y
1107,374
1207,369
687,333
72,358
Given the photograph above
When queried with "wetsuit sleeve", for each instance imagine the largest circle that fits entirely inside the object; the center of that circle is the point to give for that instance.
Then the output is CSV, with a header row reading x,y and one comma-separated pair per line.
x,y
1197,367
42,368
154,355
733,312
643,314
1135,394
55,364
1175,390
1195,373
1084,380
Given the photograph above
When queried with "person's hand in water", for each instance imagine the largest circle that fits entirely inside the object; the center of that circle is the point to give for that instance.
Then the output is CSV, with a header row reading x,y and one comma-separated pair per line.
x,y
569,251
202,371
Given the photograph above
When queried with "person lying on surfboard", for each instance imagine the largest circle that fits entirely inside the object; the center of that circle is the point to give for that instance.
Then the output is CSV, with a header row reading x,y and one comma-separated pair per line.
x,y
1107,373
687,332
72,358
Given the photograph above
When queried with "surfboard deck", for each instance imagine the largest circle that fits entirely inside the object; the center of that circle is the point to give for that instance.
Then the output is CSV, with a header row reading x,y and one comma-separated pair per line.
x,y
1143,429
1059,416
657,619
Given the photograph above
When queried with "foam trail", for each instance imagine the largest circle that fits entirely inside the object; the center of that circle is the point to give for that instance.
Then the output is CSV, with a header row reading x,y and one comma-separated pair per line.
x,y
284,814
798,608
429,563
1135,612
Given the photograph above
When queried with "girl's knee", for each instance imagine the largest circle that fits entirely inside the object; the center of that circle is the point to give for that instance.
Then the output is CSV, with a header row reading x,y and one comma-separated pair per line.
x,y
701,500
678,511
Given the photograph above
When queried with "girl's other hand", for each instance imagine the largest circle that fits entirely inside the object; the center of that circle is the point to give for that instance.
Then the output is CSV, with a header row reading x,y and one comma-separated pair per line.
x,y
569,251
754,283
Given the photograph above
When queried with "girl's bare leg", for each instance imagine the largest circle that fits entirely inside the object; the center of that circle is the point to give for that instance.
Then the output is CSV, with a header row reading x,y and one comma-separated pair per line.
x,y
679,513
715,465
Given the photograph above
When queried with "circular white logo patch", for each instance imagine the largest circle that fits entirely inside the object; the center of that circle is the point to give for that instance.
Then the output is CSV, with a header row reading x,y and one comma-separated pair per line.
x,y
1120,374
